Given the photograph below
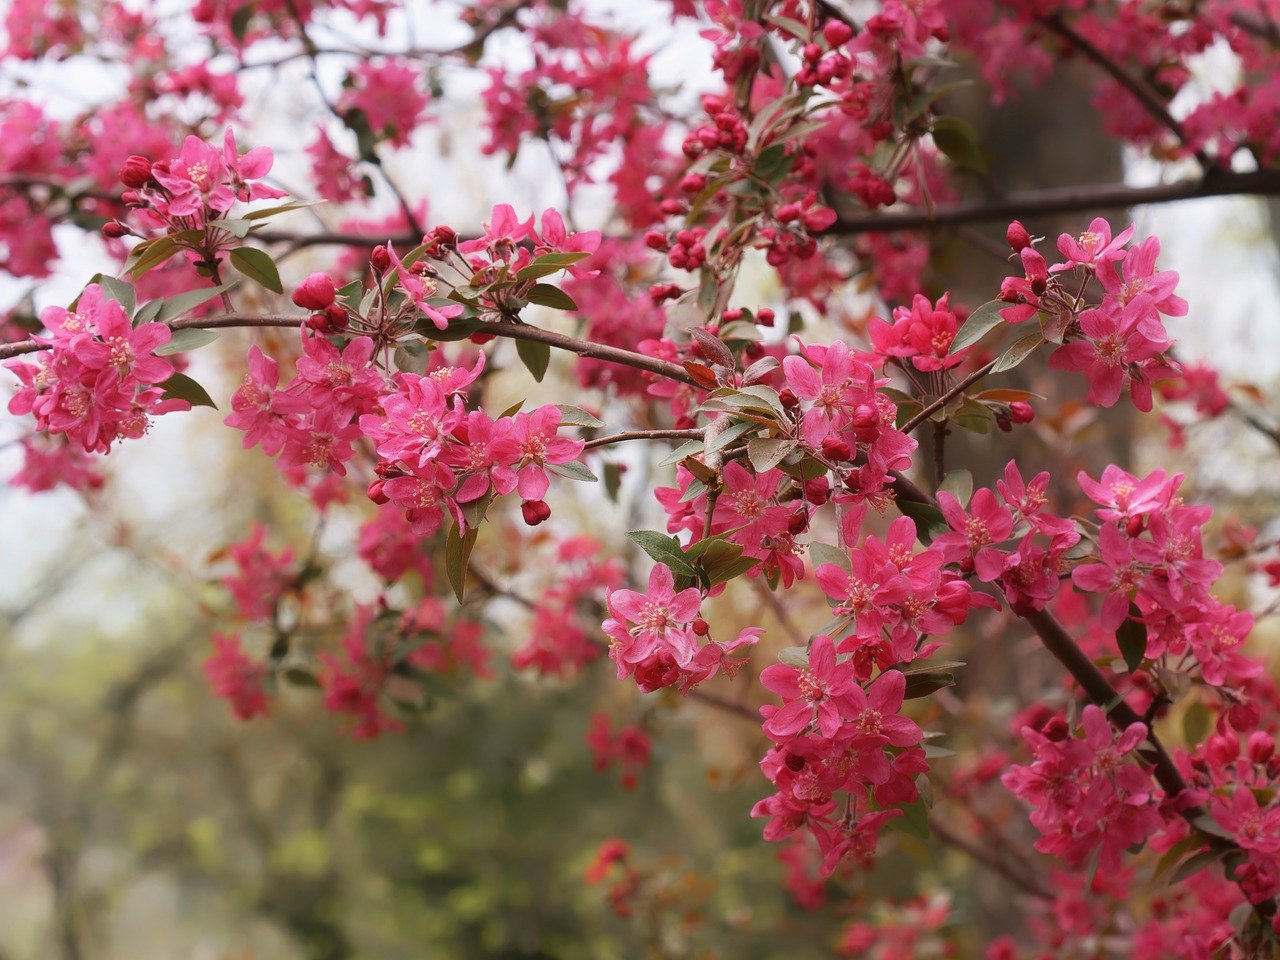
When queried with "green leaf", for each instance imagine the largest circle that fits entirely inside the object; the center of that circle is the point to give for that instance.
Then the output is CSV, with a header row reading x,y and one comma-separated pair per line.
x,y
664,549
1196,723
171,308
725,572
794,656
457,556
573,470
612,480
958,483
150,254
687,449
983,320
958,140
923,684
182,341
257,265
300,677
535,355
1132,639
237,227
184,388
545,295
914,820
550,263
1018,352
929,519
822,553
120,291
730,434
147,313
240,21
1194,865
767,453
572,416
773,163
266,212
1193,841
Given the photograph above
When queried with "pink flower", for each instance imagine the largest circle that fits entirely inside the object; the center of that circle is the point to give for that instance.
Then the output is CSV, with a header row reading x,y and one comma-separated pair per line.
x,y
237,678
657,621
1093,247
808,696
532,444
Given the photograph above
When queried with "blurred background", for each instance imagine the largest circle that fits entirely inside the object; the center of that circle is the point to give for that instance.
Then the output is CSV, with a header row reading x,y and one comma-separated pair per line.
x,y
138,818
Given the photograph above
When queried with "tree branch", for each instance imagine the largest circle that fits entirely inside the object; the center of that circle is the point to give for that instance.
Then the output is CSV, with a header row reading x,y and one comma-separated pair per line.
x,y
1055,200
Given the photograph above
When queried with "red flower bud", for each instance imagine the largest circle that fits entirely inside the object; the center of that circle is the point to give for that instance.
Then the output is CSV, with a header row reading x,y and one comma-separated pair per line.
x,y
1021,412
788,397
376,494
1017,236
837,32
655,240
1055,729
701,627
380,258
798,523
765,317
136,172
1260,746
114,229
535,512
817,491
315,293
833,448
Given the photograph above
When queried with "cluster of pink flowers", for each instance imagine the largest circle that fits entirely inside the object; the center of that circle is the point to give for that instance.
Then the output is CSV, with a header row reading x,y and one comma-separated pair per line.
x,y
1151,559
894,597
1087,794
923,332
261,576
559,643
435,457
835,737
656,637
629,748
202,183
236,677
98,381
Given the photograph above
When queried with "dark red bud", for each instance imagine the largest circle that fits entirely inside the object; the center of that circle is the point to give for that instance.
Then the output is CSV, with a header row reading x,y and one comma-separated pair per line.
x,y
535,512
380,258
837,32
701,627
315,293
817,491
1260,746
114,229
765,317
833,448
788,398
1134,526
1017,236
136,172
1021,412
1055,729
376,494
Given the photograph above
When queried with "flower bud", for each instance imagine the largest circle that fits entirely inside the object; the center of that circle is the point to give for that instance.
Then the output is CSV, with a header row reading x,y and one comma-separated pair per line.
x,y
315,293
1017,236
1021,412
1221,750
1055,729
380,258
1260,746
817,491
656,240
833,448
535,511
787,397
701,627
765,317
136,172
837,32
376,494
114,229
798,523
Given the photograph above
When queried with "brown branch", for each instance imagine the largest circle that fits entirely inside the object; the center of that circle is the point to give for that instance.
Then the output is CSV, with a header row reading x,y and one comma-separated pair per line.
x,y
643,435
1056,200
947,397
987,857
1150,100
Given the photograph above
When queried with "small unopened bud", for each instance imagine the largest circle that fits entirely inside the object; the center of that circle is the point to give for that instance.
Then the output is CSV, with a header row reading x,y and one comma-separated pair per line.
x,y
315,293
1055,729
535,512
1221,750
798,523
1244,717
136,172
130,197
1021,412
1260,746
114,229
837,32
656,240
765,317
787,397
380,258
817,491
701,627
376,494
693,182
1017,236
1134,526
833,448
